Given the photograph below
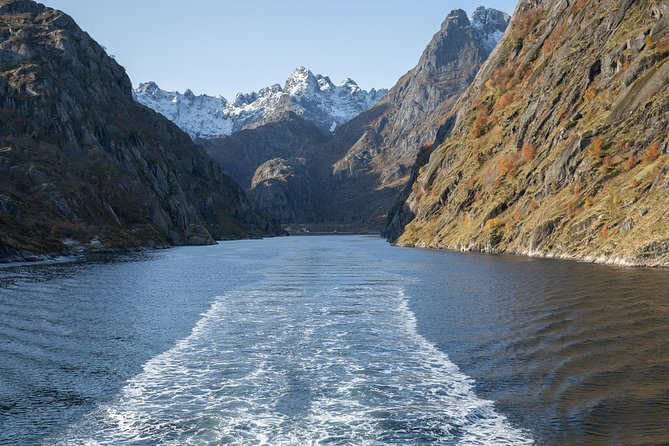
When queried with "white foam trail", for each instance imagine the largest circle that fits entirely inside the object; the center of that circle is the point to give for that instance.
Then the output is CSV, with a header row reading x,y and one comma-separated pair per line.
x,y
294,366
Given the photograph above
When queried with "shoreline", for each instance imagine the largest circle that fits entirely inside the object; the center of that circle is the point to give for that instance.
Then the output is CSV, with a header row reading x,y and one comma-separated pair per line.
x,y
79,250
538,254
28,258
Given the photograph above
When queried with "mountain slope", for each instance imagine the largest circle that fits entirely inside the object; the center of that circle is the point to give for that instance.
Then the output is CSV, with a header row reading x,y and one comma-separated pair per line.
x,y
313,97
560,146
381,145
282,163
241,153
81,163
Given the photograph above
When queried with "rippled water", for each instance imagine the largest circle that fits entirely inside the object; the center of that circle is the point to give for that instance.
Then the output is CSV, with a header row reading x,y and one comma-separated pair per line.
x,y
332,340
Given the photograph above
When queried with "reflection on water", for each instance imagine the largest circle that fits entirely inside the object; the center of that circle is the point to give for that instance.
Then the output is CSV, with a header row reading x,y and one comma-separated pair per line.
x,y
310,339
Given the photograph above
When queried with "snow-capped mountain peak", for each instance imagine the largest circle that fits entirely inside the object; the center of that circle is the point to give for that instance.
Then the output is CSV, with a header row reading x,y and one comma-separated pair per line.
x,y
490,25
350,85
148,88
314,97
301,82
324,82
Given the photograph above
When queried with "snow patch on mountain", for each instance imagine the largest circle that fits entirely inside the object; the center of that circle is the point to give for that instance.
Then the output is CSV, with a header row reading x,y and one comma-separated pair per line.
x,y
488,24
314,97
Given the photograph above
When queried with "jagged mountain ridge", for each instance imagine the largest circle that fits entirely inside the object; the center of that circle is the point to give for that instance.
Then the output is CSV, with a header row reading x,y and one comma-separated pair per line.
x,y
389,136
82,165
560,146
360,169
314,97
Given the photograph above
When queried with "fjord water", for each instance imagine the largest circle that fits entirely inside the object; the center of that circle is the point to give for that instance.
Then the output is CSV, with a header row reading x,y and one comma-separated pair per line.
x,y
332,340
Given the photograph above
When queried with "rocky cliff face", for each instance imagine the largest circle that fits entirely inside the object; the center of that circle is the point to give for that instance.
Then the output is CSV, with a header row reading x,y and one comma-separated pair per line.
x,y
314,97
359,171
285,188
413,108
381,145
560,146
81,163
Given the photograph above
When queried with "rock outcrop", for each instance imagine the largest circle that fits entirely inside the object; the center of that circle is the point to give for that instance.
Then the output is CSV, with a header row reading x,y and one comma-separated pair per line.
x,y
83,165
282,164
241,153
560,146
286,189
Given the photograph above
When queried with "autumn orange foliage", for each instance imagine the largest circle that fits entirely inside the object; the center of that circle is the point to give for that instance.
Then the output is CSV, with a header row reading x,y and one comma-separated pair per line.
x,y
504,101
580,4
534,205
652,153
480,123
554,39
597,146
590,93
630,163
525,23
528,152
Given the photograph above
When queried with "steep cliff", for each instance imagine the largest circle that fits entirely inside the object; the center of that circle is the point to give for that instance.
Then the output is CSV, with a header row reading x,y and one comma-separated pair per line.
x,y
381,145
560,146
285,188
82,165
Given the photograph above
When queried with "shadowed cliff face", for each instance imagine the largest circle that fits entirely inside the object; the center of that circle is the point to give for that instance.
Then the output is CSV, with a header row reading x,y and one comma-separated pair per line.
x,y
560,145
283,164
358,172
243,152
81,161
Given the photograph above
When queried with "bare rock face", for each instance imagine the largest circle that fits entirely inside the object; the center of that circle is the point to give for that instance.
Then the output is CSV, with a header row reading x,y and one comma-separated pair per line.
x,y
560,146
285,188
359,171
197,235
82,162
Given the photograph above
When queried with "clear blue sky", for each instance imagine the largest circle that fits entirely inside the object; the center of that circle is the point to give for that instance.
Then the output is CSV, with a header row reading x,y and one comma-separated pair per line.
x,y
225,47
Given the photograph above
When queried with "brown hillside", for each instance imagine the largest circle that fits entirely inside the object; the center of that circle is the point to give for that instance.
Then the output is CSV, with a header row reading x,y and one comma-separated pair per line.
x,y
560,146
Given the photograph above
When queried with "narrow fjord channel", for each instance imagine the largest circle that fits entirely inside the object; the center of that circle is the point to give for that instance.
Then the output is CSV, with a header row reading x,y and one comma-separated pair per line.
x,y
332,340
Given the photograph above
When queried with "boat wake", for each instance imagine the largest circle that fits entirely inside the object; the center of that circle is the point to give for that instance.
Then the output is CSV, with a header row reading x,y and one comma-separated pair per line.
x,y
285,362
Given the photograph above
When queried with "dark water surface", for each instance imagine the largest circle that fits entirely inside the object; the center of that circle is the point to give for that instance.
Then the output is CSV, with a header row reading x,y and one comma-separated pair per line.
x,y
332,340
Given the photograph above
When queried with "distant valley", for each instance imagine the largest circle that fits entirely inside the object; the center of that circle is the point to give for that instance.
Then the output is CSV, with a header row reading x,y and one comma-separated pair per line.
x,y
333,158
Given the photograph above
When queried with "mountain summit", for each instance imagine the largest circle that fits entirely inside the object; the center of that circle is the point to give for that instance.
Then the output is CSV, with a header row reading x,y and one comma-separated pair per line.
x,y
311,96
